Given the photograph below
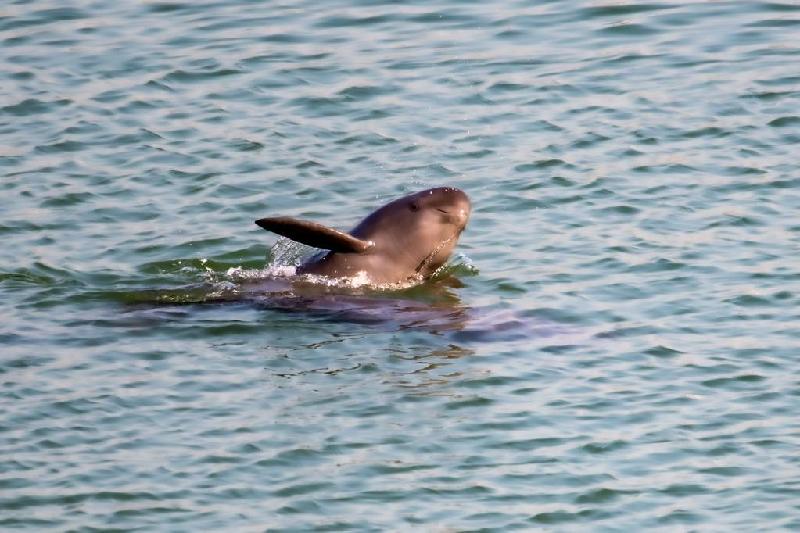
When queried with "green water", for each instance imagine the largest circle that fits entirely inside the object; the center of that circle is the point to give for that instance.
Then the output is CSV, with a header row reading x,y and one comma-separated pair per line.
x,y
615,346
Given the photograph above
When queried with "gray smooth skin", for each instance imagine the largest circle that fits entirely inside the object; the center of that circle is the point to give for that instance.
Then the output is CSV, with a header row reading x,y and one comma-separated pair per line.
x,y
406,239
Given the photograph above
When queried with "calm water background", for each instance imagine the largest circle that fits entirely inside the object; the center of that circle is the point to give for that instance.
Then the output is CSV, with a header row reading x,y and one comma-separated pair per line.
x,y
621,351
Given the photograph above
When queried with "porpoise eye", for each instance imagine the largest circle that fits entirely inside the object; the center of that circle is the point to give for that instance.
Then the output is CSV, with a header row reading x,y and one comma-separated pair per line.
x,y
413,206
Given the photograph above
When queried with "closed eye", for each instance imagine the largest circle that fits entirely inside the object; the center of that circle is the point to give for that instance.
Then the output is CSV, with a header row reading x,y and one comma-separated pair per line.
x,y
442,210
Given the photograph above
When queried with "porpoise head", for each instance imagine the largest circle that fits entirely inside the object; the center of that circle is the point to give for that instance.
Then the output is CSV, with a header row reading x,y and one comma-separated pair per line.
x,y
418,231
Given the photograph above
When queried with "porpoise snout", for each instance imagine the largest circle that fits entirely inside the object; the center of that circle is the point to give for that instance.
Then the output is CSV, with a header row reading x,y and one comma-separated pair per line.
x,y
461,208
453,203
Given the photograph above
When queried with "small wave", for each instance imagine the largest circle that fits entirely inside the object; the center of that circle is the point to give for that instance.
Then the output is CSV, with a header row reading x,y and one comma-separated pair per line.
x,y
258,281
278,271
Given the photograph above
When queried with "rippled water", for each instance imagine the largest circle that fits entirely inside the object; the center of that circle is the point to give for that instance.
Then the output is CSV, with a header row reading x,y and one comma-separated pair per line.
x,y
616,345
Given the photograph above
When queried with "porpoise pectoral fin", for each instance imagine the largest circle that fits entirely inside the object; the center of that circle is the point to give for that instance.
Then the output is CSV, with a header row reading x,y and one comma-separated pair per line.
x,y
316,235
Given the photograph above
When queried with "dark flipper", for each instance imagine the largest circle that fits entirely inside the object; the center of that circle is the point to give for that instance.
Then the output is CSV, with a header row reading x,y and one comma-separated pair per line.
x,y
315,235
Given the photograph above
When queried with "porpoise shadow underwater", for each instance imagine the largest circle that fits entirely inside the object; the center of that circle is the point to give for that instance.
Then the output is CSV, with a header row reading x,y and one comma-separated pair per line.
x,y
433,307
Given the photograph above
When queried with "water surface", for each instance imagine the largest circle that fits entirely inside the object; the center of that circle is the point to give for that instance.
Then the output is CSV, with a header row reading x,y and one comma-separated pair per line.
x,y
615,346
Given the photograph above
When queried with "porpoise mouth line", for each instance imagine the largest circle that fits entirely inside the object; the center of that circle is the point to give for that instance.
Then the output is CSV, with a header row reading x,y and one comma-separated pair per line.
x,y
435,251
